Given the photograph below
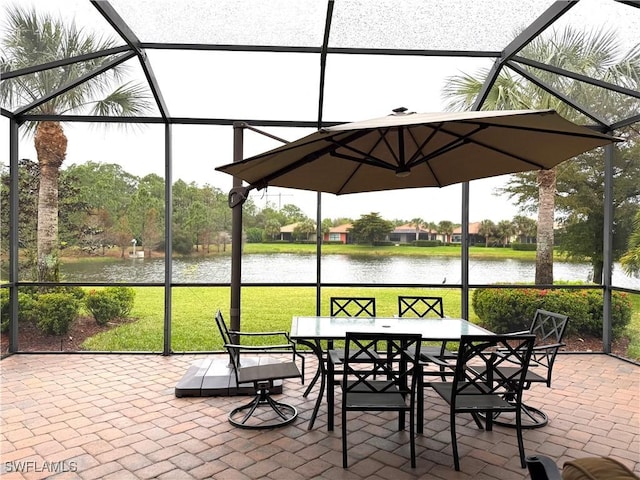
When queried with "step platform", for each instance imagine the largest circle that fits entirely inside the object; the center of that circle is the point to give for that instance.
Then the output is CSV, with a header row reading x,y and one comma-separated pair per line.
x,y
213,377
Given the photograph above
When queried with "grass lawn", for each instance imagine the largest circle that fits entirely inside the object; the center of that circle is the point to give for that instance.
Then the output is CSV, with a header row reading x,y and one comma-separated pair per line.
x,y
263,309
402,250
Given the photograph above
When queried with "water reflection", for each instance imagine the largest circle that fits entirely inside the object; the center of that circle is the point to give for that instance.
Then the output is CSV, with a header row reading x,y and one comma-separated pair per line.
x,y
277,268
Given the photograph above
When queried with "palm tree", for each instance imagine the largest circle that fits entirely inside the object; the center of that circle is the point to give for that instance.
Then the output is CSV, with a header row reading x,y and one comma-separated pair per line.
x,y
631,259
33,39
594,54
487,229
446,228
417,223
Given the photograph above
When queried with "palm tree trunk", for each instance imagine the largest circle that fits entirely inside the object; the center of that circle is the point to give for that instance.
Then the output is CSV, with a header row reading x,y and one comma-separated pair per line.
x,y
51,147
546,210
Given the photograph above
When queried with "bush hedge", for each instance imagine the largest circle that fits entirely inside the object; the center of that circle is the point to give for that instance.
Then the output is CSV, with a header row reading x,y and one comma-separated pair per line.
x,y
39,305
524,247
427,243
110,303
55,312
512,309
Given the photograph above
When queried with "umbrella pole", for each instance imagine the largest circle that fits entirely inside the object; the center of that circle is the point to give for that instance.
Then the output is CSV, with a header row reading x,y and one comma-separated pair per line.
x,y
236,200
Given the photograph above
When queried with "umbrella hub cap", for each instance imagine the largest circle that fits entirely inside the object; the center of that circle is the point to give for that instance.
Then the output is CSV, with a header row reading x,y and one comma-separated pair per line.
x,y
403,171
400,111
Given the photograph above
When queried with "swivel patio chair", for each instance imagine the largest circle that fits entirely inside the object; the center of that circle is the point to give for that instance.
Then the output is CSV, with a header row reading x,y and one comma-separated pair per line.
x,y
549,329
479,385
375,381
263,375
345,307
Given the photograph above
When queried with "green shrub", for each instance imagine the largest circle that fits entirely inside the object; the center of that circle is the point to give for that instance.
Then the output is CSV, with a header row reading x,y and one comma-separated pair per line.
x,y
110,303
427,243
512,309
27,310
124,296
55,312
525,247
255,234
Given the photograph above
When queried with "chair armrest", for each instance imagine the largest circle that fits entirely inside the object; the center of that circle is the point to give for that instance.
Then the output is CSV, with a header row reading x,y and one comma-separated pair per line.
x,y
287,346
522,332
549,346
259,334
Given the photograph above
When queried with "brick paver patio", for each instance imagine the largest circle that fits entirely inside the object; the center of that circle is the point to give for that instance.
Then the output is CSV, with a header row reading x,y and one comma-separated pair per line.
x,y
116,417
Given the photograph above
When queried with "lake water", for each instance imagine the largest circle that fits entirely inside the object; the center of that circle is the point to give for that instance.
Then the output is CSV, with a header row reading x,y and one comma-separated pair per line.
x,y
288,268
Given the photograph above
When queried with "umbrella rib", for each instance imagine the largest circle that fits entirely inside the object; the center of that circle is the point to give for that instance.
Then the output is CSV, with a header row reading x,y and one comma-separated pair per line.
x,y
481,126
329,149
595,135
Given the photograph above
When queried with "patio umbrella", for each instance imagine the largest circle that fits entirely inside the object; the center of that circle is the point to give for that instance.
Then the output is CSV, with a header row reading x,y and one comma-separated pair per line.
x,y
407,150
411,150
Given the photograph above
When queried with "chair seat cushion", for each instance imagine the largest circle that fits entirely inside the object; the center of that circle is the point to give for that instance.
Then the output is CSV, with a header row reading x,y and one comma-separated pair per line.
x,y
273,371
596,468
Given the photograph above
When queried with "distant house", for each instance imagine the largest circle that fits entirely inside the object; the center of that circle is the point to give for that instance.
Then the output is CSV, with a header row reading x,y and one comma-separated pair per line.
x,y
474,235
339,234
407,233
286,232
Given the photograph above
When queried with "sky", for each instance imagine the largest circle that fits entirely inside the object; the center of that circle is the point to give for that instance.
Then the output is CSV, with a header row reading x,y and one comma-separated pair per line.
x,y
197,150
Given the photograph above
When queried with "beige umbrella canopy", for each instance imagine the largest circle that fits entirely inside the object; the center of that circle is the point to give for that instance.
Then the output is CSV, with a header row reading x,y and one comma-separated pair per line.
x,y
411,150
407,150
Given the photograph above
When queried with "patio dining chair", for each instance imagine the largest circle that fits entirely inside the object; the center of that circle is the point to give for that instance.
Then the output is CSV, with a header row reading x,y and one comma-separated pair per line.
x,y
426,307
345,307
377,381
262,376
479,385
549,329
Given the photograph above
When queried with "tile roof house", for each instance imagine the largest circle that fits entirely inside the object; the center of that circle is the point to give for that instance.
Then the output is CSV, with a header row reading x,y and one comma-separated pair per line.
x,y
339,233
474,235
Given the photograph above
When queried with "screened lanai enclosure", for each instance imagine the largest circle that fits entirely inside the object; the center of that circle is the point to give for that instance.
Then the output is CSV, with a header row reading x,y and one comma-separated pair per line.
x,y
116,114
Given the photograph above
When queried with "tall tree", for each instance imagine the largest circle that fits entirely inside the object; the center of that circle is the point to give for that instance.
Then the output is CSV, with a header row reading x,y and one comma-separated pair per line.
x,y
32,39
504,230
446,227
417,223
371,228
595,54
525,227
631,259
487,230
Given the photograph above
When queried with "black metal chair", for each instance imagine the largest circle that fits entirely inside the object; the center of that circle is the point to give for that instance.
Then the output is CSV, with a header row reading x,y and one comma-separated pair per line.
x,y
352,307
479,384
345,307
375,381
426,307
263,375
549,329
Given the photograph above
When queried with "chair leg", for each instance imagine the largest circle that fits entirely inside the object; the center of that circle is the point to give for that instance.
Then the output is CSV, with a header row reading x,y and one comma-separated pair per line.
x,y
344,438
532,418
312,383
286,413
454,442
412,440
523,462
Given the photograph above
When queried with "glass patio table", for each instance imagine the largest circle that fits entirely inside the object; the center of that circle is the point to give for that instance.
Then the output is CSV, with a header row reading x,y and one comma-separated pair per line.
x,y
312,331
